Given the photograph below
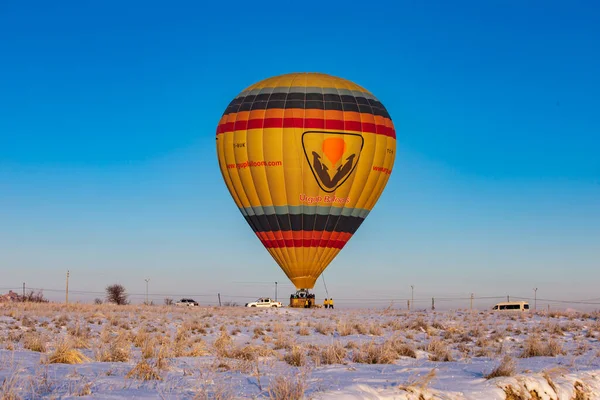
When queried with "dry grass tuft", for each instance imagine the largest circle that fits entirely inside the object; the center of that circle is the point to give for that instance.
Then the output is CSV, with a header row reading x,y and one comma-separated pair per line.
x,y
344,328
144,371
287,387
535,347
418,382
9,387
34,342
324,328
65,353
222,344
372,353
507,367
303,331
295,357
439,351
333,354
119,350
400,348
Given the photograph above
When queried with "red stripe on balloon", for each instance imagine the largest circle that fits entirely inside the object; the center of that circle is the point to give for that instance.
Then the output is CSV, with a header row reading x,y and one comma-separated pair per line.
x,y
306,123
281,243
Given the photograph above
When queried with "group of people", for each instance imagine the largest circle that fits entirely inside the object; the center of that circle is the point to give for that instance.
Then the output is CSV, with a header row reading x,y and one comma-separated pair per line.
x,y
328,303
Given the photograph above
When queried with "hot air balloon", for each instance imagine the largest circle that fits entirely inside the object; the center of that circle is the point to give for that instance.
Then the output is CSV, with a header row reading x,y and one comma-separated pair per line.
x,y
305,157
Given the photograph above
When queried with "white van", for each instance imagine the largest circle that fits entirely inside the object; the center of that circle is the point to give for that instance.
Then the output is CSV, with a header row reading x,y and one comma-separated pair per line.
x,y
512,306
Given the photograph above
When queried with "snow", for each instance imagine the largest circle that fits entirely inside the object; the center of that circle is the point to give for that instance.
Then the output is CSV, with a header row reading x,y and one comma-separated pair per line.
x,y
475,342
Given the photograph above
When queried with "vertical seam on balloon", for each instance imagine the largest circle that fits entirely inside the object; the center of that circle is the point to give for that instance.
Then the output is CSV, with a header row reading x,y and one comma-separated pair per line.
x,y
312,248
253,226
322,251
371,166
287,200
331,255
222,141
278,249
368,202
305,250
372,199
278,261
284,251
327,254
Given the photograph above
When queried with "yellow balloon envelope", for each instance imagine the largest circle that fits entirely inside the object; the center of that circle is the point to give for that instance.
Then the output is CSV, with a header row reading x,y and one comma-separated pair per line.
x,y
305,157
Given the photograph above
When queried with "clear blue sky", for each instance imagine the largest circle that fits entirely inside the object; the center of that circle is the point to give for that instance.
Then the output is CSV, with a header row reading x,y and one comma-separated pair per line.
x,y
108,168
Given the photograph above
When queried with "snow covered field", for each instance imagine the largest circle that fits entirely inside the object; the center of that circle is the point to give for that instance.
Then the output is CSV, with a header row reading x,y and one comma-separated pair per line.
x,y
162,352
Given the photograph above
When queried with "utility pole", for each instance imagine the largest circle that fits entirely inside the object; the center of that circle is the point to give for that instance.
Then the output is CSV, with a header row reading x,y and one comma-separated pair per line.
x,y
471,301
412,294
535,299
23,291
147,280
507,298
219,294
275,291
408,304
432,304
67,295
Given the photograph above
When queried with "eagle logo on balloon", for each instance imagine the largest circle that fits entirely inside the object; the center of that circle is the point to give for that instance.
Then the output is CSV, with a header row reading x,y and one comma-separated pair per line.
x,y
332,156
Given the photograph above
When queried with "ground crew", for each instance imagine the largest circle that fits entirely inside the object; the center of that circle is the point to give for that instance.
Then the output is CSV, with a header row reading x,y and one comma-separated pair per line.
x,y
306,303
325,303
331,303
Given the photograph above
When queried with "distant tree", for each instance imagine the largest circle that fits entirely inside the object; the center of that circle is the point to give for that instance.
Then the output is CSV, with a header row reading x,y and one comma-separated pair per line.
x,y
33,297
97,301
116,294
168,301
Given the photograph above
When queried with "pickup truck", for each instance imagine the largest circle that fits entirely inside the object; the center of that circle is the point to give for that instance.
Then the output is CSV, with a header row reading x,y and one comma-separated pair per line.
x,y
264,302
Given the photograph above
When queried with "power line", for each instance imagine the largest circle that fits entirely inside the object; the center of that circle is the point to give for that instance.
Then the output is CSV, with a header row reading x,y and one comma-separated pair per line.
x,y
349,299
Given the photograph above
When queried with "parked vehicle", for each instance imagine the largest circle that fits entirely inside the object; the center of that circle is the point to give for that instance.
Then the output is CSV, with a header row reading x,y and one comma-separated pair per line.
x,y
511,306
187,303
264,302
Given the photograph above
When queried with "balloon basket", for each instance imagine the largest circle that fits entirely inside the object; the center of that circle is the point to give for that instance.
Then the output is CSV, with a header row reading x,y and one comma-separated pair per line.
x,y
302,299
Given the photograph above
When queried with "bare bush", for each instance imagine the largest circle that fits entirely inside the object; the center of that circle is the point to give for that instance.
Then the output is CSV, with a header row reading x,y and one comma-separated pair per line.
x,y
116,294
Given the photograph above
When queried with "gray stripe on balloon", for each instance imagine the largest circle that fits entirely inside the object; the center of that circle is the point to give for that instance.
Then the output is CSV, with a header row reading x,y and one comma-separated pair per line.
x,y
307,210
